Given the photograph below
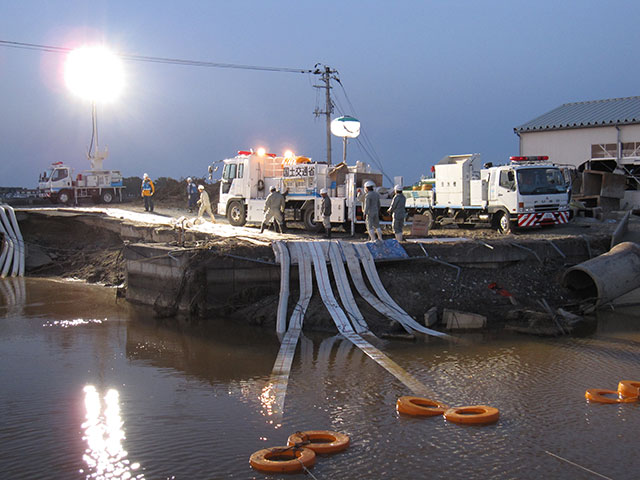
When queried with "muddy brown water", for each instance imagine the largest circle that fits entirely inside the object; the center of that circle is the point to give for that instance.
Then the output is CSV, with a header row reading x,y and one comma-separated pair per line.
x,y
94,388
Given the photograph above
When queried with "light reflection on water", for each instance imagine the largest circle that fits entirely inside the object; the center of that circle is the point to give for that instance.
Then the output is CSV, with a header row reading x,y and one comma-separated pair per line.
x,y
104,433
195,398
72,323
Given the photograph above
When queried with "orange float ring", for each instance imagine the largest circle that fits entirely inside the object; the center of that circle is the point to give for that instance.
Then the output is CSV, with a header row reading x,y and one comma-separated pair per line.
x,y
419,406
597,395
282,459
472,415
320,441
629,389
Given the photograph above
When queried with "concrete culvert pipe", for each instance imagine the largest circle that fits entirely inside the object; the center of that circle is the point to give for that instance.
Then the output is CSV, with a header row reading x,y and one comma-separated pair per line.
x,y
608,276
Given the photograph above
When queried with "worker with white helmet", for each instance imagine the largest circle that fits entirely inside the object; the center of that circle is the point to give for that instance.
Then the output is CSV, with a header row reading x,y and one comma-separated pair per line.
x,y
398,211
273,209
192,194
325,212
147,191
371,210
205,204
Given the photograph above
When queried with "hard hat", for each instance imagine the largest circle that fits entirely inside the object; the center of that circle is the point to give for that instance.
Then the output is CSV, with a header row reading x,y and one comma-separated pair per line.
x,y
200,187
369,183
272,188
398,188
323,191
145,175
189,179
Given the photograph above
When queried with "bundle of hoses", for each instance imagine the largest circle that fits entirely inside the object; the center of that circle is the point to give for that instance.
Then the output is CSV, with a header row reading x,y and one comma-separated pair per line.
x,y
628,392
425,407
300,451
12,252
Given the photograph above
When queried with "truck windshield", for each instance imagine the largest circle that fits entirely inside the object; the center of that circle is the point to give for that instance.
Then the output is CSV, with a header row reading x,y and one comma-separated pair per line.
x,y
59,174
539,181
46,175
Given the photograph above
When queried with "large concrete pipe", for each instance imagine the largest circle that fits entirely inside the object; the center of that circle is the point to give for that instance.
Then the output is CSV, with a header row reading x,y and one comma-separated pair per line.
x,y
608,276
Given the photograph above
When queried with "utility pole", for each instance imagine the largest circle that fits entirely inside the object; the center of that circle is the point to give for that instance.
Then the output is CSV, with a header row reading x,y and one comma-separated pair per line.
x,y
326,76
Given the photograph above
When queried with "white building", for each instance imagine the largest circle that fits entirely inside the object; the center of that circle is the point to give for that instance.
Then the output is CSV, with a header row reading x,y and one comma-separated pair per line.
x,y
600,135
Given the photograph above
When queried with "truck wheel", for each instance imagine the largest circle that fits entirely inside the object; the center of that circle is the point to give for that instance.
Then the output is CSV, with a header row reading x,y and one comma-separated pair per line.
x,y
107,196
503,223
308,218
236,214
65,197
428,218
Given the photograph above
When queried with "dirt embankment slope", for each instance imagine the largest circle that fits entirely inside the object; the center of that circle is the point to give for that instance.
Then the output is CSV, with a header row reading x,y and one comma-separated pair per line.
x,y
84,250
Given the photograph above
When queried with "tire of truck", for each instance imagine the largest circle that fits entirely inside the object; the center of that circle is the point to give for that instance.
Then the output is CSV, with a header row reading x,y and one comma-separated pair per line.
x,y
65,196
236,214
107,196
428,217
308,218
503,223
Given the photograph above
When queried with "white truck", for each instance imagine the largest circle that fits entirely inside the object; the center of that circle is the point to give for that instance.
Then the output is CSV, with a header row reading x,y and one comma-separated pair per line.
x,y
527,192
59,185
247,178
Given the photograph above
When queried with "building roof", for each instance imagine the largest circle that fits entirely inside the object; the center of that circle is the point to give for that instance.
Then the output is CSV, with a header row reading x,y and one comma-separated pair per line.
x,y
597,113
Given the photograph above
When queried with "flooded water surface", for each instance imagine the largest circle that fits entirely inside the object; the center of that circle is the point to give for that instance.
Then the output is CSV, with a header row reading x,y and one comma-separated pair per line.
x,y
95,388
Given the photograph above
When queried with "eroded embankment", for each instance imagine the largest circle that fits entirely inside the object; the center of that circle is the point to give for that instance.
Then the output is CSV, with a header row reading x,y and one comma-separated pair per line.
x,y
236,278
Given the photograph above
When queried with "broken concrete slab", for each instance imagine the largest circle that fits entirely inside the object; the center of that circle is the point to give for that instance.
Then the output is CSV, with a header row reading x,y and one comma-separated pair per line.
x,y
431,317
456,320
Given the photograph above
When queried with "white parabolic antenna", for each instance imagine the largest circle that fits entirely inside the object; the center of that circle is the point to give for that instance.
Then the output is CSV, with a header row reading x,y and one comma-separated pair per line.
x,y
346,127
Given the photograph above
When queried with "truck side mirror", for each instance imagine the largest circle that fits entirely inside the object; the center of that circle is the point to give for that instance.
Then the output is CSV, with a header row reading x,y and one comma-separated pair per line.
x,y
210,169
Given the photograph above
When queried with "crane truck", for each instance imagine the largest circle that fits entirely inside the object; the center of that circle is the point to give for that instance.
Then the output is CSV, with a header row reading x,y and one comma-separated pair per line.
x,y
59,185
102,186
527,192
248,176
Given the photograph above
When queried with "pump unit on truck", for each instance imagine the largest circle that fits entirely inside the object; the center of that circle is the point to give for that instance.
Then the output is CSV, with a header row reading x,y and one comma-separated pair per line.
x,y
248,177
527,192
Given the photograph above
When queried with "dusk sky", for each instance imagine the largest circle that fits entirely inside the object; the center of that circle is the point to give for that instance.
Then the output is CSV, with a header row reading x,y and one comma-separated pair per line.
x,y
425,78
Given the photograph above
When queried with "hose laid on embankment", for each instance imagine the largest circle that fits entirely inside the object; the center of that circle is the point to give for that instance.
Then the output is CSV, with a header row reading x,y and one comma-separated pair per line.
x,y
409,324
305,253
276,390
345,328
12,255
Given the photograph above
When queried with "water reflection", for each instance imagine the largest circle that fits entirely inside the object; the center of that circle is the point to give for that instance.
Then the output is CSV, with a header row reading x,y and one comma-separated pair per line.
x,y
13,294
105,456
72,323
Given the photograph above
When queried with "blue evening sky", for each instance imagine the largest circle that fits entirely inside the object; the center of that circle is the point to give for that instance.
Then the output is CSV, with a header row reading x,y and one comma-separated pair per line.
x,y
425,78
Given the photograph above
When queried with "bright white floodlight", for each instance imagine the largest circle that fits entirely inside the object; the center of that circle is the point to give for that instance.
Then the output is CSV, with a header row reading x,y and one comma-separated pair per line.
x,y
94,73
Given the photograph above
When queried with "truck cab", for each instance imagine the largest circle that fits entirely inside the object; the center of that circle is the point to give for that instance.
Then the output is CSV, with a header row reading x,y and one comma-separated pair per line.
x,y
529,192
56,179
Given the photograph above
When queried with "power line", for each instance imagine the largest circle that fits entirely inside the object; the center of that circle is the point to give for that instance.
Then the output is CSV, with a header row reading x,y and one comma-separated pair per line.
x,y
144,58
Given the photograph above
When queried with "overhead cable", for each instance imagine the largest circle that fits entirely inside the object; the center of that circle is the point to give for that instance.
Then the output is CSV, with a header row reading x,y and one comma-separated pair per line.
x,y
144,58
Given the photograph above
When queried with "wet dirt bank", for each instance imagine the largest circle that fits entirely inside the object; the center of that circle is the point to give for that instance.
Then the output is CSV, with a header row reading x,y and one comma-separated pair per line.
x,y
483,273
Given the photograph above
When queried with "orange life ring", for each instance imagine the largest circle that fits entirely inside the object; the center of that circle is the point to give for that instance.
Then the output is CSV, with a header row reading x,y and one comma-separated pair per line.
x,y
629,388
282,459
320,441
420,406
472,415
597,395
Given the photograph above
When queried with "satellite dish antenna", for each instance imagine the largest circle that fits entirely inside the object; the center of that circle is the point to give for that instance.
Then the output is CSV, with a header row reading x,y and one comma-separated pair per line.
x,y
345,127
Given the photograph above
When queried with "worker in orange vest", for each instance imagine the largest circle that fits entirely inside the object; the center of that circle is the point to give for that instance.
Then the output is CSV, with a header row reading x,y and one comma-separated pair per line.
x,y
147,192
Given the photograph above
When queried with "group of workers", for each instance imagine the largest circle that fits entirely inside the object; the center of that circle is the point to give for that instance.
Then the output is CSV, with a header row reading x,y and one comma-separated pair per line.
x,y
274,207
275,203
196,196
371,211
